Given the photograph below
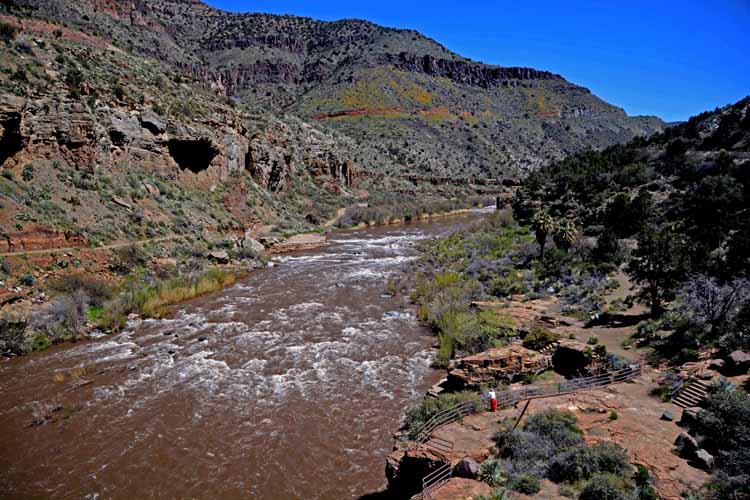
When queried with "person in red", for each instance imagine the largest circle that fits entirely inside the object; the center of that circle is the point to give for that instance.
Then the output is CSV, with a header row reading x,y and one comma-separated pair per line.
x,y
493,400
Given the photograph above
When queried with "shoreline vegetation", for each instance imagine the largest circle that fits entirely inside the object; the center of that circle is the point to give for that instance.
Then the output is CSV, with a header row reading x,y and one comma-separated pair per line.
x,y
150,279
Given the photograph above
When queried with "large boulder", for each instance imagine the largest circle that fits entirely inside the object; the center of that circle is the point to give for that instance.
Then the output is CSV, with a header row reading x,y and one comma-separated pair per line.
x,y
501,364
467,468
219,256
738,363
703,460
686,445
689,417
571,357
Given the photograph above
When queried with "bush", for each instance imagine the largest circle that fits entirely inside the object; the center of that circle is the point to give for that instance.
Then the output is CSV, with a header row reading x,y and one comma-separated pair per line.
x,y
416,417
557,426
613,415
28,172
129,258
7,31
602,487
27,280
528,485
498,494
539,338
492,473
96,289
582,463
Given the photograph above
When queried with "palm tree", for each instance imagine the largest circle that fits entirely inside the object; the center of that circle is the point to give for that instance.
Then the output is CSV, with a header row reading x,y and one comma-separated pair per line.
x,y
564,234
543,225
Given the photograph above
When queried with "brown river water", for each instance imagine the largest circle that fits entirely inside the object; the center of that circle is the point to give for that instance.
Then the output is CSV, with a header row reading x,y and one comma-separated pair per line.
x,y
287,385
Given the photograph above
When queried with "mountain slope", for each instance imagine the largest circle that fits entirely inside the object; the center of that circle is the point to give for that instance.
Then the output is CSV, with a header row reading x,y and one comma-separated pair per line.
x,y
397,93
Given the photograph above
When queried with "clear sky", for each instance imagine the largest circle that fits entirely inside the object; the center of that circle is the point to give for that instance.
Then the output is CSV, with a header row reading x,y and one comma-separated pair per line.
x,y
672,59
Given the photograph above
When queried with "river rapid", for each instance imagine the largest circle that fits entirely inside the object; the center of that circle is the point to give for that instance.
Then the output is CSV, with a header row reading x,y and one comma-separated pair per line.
x,y
287,385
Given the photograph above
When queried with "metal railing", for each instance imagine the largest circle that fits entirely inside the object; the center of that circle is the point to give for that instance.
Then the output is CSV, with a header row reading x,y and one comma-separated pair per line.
x,y
443,448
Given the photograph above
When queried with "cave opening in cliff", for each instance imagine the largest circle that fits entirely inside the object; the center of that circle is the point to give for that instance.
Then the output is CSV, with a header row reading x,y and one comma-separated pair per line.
x,y
192,154
11,140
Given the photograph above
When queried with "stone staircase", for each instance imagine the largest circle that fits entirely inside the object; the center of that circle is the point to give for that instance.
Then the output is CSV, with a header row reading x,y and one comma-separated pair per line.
x,y
691,394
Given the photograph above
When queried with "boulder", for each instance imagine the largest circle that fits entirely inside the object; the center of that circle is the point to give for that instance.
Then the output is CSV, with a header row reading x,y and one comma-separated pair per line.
x,y
122,202
703,460
571,357
716,364
504,364
467,468
738,363
668,416
254,245
221,256
152,189
689,417
686,445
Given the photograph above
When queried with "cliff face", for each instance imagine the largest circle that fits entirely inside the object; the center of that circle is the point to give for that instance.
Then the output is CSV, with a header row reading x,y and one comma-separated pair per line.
x,y
455,117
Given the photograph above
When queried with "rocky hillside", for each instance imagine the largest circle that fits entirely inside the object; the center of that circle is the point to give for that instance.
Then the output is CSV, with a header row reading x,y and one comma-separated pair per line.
x,y
410,104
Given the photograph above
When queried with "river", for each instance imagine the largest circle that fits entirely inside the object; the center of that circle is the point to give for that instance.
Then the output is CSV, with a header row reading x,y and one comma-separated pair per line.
x,y
287,385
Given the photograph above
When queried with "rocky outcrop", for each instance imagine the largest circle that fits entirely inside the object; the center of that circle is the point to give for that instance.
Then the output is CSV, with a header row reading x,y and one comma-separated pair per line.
x,y
276,156
11,114
405,469
738,363
571,357
502,364
467,72
40,238
201,154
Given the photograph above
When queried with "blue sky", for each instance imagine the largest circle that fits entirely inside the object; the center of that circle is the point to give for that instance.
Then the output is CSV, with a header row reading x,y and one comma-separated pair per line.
x,y
672,59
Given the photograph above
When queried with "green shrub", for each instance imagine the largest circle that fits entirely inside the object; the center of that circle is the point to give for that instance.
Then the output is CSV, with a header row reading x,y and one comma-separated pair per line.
x,y
491,473
428,407
539,338
40,342
593,340
497,494
582,462
528,485
613,415
27,280
7,31
602,487
28,172
557,426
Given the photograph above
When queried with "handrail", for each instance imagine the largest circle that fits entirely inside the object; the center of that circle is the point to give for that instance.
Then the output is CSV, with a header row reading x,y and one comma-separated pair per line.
x,y
444,448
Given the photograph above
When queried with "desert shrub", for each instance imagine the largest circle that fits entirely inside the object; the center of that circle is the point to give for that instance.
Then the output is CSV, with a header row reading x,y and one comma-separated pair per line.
x,y
96,289
539,338
491,472
128,258
7,31
5,266
27,280
428,407
613,415
62,319
557,426
602,487
27,174
528,485
12,337
582,462
497,494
